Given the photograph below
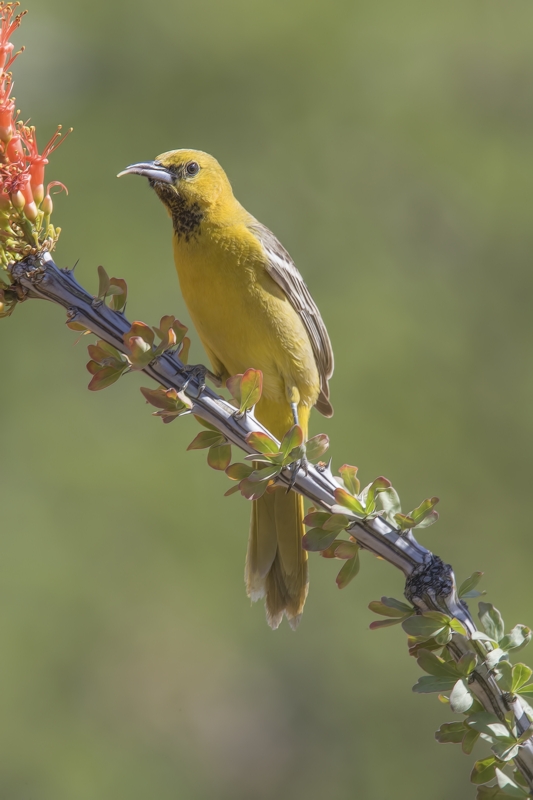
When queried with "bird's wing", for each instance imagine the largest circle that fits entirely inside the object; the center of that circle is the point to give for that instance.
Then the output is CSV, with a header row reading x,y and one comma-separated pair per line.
x,y
282,270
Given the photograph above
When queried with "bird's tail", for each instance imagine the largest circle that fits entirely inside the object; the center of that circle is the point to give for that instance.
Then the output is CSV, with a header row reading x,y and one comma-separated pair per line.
x,y
276,564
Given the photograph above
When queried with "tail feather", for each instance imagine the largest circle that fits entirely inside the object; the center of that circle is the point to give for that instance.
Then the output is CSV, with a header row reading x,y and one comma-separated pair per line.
x,y
276,564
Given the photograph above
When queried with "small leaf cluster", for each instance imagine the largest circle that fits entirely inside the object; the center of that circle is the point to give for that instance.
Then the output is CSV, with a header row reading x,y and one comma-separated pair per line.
x,y
428,634
140,341
378,498
254,479
219,449
246,389
112,291
169,402
107,364
420,517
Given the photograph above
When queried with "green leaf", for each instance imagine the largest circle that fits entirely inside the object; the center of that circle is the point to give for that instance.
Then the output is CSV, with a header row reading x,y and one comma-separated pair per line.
x,y
183,351
317,539
140,351
457,626
521,674
219,456
262,443
421,625
428,520
206,439
385,623
233,385
491,620
423,510
316,519
336,522
386,611
467,663
489,793
316,446
404,522
431,683
505,676
519,637
233,490
252,490
489,725
348,572
238,471
436,666
265,473
378,485
103,282
443,636
519,778
141,331
104,377
251,388
391,602
460,699
508,786
389,501
470,738
350,479
469,584
479,636
505,751
293,438
494,657
346,550
347,501
450,732
526,691
484,770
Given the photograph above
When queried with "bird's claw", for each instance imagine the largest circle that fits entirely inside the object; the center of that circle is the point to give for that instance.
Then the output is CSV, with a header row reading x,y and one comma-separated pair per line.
x,y
295,467
197,371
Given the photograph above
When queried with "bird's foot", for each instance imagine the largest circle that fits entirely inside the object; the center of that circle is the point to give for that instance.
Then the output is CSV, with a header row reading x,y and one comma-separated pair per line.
x,y
295,467
198,372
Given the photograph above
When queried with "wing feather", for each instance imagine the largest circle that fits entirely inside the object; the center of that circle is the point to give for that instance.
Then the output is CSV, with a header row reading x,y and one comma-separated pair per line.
x,y
283,271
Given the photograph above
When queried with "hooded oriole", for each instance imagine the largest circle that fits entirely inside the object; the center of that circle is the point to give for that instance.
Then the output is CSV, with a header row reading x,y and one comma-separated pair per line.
x,y
251,308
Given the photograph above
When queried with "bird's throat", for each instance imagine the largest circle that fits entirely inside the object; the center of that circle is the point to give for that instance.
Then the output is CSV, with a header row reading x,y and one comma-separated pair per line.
x,y
186,216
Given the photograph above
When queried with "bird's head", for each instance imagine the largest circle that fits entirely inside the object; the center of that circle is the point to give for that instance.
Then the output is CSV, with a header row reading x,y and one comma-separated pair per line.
x,y
185,178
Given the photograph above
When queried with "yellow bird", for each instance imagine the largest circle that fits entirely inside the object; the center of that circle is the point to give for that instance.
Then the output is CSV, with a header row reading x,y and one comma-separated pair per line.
x,y
251,308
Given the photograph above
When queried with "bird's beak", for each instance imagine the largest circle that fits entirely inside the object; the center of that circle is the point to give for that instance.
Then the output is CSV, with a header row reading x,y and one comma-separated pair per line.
x,y
151,170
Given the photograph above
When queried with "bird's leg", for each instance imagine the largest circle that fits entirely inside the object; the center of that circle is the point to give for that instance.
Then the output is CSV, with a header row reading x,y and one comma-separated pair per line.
x,y
302,462
199,372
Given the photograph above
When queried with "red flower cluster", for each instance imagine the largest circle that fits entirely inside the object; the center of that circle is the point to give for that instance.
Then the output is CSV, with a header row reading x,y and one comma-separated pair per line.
x,y
22,167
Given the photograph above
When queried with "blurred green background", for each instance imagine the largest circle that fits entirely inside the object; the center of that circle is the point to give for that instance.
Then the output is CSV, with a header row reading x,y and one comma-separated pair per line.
x,y
388,145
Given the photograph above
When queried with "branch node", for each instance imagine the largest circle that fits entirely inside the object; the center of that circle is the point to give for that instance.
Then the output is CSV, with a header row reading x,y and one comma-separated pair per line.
x,y
434,578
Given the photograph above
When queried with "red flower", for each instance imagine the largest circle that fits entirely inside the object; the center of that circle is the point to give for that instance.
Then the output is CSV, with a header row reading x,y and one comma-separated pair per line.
x,y
38,162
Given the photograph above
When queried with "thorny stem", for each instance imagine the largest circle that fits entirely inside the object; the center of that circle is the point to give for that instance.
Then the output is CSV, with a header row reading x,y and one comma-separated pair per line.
x,y
430,584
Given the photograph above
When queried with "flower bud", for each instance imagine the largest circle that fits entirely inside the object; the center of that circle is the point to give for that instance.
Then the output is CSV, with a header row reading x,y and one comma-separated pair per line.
x,y
38,193
30,211
17,198
37,177
47,206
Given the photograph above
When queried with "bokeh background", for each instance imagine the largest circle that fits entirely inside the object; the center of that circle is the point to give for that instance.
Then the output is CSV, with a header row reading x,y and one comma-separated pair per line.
x,y
389,146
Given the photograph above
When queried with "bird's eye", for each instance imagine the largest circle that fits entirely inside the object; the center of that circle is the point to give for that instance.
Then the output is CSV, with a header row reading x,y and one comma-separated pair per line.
x,y
193,168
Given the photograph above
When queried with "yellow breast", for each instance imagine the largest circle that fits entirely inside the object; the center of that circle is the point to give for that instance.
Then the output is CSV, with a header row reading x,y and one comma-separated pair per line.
x,y
242,316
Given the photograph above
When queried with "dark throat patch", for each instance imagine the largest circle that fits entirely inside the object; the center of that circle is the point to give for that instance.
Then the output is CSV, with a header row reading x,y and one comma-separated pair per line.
x,y
186,217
